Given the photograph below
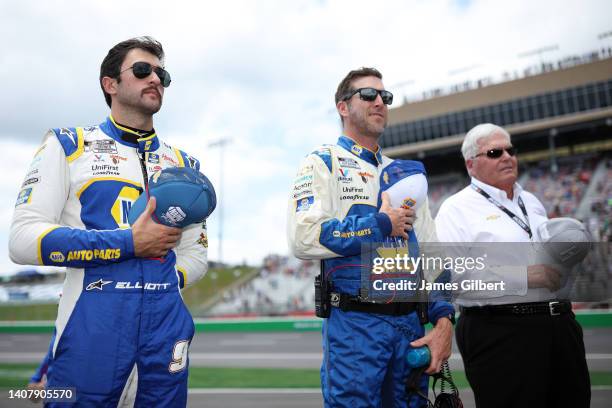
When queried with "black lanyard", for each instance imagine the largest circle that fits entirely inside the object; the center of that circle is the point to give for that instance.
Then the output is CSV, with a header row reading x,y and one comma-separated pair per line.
x,y
515,218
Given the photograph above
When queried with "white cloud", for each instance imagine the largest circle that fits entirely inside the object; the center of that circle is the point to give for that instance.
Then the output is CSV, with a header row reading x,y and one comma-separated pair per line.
x,y
262,74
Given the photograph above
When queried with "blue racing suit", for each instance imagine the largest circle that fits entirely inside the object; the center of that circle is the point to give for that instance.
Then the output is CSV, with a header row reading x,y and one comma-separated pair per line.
x,y
43,367
332,211
117,310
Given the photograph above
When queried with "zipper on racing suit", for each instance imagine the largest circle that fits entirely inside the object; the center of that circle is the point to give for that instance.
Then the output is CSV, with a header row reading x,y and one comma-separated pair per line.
x,y
143,168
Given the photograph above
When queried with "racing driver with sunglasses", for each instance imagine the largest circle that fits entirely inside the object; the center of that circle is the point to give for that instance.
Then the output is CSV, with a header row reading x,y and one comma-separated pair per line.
x,y
333,210
121,307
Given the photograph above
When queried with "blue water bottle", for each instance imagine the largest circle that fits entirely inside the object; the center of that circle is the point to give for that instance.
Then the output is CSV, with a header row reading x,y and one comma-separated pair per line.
x,y
418,357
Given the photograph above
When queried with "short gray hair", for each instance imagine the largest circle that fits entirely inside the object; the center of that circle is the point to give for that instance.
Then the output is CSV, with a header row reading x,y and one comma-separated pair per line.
x,y
469,148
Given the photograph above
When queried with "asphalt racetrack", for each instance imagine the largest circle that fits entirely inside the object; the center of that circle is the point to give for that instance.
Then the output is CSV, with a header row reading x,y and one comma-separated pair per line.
x,y
277,349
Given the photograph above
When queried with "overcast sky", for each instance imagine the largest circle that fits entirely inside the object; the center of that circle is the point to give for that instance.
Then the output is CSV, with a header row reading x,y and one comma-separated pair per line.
x,y
261,73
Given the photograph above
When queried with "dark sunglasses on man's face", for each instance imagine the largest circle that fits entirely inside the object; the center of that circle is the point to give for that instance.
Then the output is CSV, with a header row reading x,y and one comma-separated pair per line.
x,y
143,69
497,153
370,94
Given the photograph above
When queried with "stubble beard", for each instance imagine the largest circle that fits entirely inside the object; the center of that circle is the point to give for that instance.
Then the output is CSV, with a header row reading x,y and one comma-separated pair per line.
x,y
139,106
367,128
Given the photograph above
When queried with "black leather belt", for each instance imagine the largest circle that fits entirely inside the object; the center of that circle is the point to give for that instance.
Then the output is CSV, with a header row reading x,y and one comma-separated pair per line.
x,y
554,308
348,303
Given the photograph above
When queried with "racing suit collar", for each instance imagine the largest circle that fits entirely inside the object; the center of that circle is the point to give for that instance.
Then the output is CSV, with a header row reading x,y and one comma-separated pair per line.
x,y
363,153
144,144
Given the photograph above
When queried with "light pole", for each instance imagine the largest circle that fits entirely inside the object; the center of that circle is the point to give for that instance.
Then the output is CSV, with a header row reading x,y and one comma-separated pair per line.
x,y
221,143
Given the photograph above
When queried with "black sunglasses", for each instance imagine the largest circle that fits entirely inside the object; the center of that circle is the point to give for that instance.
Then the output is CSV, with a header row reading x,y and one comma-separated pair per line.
x,y
497,153
370,94
143,69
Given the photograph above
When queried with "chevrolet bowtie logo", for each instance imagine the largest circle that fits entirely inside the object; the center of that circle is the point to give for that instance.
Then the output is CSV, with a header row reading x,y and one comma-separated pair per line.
x,y
386,177
99,284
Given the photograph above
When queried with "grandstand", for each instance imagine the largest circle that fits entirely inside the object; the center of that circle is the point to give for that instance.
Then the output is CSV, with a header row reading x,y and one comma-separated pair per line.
x,y
284,285
560,117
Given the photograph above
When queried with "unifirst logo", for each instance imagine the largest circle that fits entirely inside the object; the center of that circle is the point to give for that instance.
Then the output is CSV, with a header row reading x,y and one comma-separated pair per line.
x,y
89,254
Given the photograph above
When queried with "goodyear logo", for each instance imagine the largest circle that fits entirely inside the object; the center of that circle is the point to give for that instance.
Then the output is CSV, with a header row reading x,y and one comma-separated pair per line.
x,y
91,254
351,234
56,256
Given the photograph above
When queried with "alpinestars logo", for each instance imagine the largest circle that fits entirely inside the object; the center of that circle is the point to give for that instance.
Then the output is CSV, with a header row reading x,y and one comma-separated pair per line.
x,y
99,284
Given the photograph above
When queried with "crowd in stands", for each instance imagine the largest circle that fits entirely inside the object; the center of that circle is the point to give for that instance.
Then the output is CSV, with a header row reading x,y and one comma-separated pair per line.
x,y
560,192
601,207
440,190
283,285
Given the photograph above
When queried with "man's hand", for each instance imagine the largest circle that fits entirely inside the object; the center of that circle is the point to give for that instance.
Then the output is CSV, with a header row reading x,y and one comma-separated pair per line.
x,y
543,276
153,240
36,386
439,341
401,218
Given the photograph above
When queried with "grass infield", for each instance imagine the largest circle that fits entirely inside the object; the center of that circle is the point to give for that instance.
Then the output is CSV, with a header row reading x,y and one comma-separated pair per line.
x,y
16,376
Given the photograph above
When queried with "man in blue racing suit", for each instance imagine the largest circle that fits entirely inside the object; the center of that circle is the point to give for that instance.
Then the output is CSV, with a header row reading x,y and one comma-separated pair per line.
x,y
121,306
332,211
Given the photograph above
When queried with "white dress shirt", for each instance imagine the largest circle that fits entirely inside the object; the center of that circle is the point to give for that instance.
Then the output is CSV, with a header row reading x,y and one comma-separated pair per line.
x,y
469,218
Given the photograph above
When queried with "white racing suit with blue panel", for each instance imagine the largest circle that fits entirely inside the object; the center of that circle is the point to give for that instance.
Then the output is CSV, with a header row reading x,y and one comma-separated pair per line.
x,y
117,311
332,212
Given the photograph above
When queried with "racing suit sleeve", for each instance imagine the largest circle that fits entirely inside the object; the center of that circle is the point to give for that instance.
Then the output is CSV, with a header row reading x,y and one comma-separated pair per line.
x,y
191,254
313,229
36,236
425,229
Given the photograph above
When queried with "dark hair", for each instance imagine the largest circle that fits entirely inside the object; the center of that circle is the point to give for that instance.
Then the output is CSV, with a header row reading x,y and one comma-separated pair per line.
x,y
346,85
111,66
